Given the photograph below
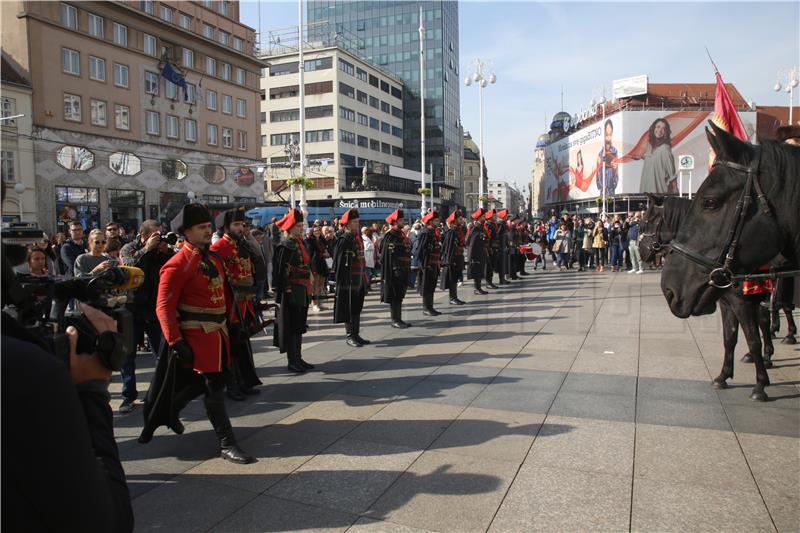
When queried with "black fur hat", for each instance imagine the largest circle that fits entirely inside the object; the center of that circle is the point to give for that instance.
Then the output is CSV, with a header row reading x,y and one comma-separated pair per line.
x,y
190,215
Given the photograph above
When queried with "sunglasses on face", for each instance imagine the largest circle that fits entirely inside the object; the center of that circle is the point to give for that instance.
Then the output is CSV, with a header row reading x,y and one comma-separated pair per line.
x,y
99,242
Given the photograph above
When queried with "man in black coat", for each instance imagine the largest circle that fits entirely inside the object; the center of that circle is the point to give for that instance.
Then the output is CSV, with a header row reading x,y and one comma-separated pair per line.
x,y
492,247
73,247
351,279
429,251
503,247
453,244
395,265
477,256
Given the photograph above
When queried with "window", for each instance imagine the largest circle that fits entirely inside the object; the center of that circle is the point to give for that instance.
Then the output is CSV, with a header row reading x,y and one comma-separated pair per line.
x,y
227,104
72,107
120,34
362,97
318,64
396,112
77,158
98,109
242,138
384,87
227,138
347,90
373,81
397,151
223,8
238,44
241,107
241,77
347,137
375,145
152,122
397,132
170,90
285,115
211,134
120,75
316,136
166,13
363,141
362,75
190,129
319,111
222,37
185,21
96,26
263,117
191,93
122,117
282,69
397,93
71,61
280,139
174,169
386,108
374,123
211,100
386,128
347,114
320,87
211,66
172,127
363,119
208,31
347,160
69,16
263,140
386,148
346,67
188,58
8,167
150,45
150,82
374,102
146,6
97,68
8,108
225,71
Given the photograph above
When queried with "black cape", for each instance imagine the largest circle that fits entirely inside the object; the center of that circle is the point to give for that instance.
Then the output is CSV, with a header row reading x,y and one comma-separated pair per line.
x,y
395,262
476,253
452,263
349,300
291,315
429,273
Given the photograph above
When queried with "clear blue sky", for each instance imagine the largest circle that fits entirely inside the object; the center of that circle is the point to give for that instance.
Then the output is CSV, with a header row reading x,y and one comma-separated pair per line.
x,y
538,47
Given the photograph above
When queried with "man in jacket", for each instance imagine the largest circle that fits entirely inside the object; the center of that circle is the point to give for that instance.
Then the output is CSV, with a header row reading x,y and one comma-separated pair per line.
x,y
429,261
395,266
453,244
351,278
73,247
477,257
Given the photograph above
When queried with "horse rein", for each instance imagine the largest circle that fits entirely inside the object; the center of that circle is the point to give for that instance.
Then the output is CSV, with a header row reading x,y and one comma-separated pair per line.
x,y
655,243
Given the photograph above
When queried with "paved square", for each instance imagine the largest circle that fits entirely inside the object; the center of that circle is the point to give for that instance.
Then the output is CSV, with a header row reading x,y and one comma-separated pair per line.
x,y
565,402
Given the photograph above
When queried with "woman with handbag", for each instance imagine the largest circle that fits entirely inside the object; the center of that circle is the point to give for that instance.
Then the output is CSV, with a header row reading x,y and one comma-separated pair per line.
x,y
599,240
563,246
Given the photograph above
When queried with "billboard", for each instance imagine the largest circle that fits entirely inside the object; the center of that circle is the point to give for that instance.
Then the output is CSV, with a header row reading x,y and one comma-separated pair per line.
x,y
632,152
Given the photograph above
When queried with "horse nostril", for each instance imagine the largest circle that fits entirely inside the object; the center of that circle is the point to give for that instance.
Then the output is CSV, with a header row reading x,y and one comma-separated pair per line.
x,y
669,295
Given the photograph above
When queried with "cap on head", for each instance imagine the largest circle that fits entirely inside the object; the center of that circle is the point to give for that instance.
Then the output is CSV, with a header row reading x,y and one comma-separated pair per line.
x,y
502,214
292,217
453,216
396,215
480,212
190,215
350,214
430,215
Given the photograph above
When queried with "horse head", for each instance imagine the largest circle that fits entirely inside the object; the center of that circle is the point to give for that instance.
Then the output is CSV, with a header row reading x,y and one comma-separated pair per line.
x,y
730,227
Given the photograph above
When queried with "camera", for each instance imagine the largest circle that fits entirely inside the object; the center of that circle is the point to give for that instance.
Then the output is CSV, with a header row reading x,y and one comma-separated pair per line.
x,y
169,238
42,305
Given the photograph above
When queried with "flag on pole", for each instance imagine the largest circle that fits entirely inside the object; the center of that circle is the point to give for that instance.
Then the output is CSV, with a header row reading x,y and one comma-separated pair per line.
x,y
725,115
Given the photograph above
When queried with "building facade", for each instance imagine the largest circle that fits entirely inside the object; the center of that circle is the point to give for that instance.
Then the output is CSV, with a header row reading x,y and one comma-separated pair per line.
x,y
114,139
503,195
472,171
353,128
388,36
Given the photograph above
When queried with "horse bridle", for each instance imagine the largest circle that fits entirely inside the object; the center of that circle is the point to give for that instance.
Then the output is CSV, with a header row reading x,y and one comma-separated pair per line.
x,y
655,243
722,276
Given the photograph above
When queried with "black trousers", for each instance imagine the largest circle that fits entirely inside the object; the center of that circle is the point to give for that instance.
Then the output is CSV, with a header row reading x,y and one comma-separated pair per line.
x,y
353,327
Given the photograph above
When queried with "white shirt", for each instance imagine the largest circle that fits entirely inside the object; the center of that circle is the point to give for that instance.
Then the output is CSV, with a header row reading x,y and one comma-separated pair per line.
x,y
369,251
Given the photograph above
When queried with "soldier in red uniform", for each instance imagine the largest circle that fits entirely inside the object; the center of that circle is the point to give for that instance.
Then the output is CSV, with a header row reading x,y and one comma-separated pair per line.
x,y
452,259
192,307
429,261
492,246
291,278
477,255
236,258
523,239
351,280
395,266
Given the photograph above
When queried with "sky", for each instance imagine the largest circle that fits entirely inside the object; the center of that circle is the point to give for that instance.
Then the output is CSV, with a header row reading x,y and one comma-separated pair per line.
x,y
536,48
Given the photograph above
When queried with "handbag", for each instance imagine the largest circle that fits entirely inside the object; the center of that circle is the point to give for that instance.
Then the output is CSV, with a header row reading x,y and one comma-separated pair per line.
x,y
557,245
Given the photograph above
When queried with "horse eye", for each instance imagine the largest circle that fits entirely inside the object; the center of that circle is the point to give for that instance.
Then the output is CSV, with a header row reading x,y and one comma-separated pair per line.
x,y
710,203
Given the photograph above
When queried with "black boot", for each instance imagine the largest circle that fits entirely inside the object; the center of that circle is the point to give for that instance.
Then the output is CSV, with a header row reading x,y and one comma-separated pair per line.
x,y
293,354
229,450
478,289
428,310
357,331
397,320
351,339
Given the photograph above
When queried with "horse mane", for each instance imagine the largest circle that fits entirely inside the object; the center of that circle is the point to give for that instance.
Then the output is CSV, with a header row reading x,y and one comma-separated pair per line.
x,y
780,175
674,213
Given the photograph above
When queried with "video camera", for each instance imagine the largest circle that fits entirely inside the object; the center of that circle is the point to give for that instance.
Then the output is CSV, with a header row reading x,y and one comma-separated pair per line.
x,y
41,304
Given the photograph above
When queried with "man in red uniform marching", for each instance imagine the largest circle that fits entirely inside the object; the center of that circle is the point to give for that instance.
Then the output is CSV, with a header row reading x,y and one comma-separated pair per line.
x,y
192,307
236,257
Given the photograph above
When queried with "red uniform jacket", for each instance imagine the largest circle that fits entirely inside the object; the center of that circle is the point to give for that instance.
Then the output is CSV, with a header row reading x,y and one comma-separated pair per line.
x,y
193,306
239,273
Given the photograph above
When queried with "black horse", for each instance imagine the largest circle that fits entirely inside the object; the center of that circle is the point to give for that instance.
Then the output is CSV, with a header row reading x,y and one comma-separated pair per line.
x,y
661,223
745,213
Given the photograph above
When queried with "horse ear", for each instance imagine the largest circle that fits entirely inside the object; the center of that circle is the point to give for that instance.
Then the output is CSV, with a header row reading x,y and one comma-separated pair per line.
x,y
657,200
726,144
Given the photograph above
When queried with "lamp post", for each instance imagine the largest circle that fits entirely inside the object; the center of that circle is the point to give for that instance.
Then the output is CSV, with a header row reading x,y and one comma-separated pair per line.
x,y
594,105
480,77
19,188
422,208
191,196
302,147
292,151
792,80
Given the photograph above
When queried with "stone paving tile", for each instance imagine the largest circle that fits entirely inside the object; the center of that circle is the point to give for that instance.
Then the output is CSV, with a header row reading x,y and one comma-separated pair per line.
x,y
668,507
368,525
463,373
447,392
755,419
266,513
548,341
334,415
348,477
616,363
672,367
446,492
187,503
568,443
550,360
550,500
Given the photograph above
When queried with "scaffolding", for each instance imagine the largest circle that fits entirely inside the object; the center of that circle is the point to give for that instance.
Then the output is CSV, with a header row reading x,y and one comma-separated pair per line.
x,y
316,35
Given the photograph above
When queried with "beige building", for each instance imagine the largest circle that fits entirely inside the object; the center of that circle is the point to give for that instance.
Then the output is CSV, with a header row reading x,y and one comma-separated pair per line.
x,y
537,173
16,147
503,195
113,138
353,129
472,172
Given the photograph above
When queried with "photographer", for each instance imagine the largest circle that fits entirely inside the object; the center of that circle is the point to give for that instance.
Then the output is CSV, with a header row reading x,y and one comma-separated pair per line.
x,y
149,253
68,476
73,247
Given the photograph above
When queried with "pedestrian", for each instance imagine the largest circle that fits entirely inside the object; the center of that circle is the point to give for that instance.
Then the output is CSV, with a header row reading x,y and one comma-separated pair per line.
x,y
369,254
633,245
292,276
37,264
72,248
615,239
552,227
349,265
429,249
599,246
197,348
113,232
452,258
492,246
319,268
540,238
395,253
563,246
58,241
95,261
477,256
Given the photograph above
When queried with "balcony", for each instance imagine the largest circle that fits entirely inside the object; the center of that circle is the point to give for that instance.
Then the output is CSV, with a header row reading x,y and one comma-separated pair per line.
x,y
380,183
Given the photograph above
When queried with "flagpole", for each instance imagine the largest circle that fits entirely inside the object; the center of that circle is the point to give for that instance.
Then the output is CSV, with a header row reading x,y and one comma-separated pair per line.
x,y
716,70
422,110
302,66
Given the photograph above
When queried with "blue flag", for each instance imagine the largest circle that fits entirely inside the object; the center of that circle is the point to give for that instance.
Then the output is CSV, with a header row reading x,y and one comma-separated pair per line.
x,y
169,73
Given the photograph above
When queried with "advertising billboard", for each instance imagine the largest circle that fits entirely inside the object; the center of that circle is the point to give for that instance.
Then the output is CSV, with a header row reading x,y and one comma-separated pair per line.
x,y
632,152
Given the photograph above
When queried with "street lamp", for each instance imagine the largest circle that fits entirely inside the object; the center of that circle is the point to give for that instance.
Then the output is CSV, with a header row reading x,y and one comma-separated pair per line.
x,y
792,80
191,196
292,151
602,104
19,188
480,78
